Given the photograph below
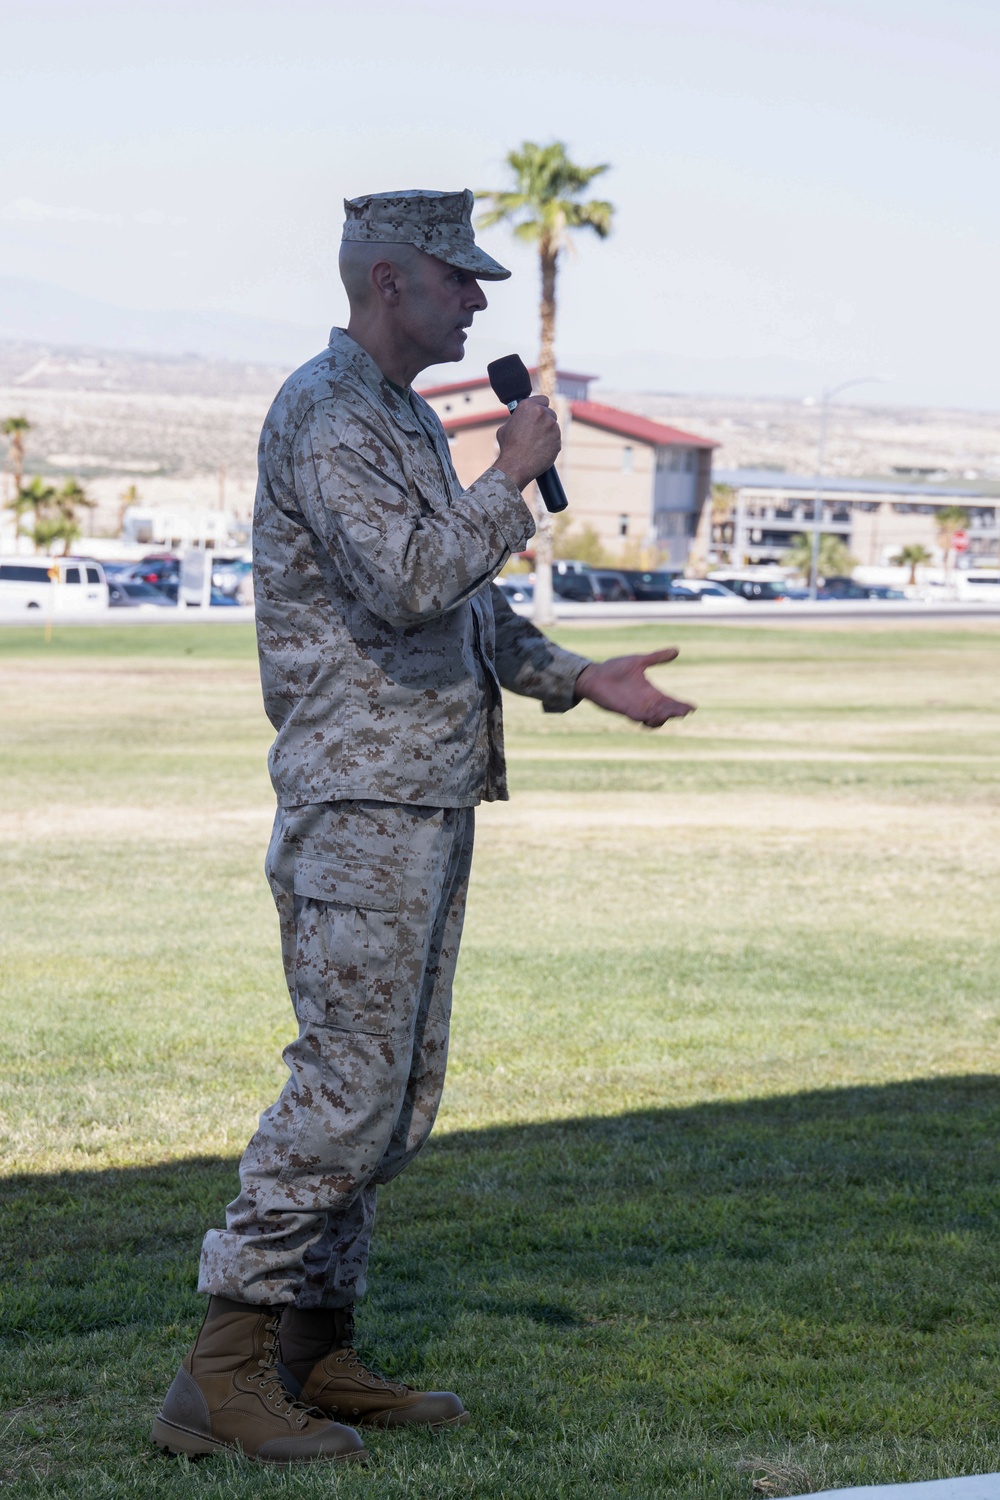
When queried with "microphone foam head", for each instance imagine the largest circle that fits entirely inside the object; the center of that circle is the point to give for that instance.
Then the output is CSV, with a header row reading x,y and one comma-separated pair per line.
x,y
509,378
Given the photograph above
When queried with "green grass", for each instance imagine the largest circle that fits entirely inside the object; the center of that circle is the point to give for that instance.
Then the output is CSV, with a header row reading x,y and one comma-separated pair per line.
x,y
713,1195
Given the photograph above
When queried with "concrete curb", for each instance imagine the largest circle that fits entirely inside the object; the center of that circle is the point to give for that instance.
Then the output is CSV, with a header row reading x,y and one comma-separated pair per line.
x,y
970,1487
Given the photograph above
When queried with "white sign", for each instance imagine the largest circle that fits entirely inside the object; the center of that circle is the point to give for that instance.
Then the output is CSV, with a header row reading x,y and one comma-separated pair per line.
x,y
195,586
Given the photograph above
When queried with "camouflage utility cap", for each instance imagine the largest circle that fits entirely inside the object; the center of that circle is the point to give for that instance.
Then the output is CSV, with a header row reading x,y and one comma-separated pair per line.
x,y
440,224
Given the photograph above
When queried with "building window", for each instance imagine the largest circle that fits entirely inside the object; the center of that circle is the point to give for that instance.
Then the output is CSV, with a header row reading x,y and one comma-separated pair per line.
x,y
675,523
628,454
672,460
623,525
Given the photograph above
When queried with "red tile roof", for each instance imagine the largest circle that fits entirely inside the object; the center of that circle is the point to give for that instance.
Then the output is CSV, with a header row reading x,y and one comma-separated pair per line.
x,y
477,383
593,414
627,424
456,385
494,416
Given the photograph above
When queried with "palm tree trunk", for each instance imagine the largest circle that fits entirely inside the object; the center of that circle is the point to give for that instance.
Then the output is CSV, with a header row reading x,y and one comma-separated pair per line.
x,y
543,612
547,352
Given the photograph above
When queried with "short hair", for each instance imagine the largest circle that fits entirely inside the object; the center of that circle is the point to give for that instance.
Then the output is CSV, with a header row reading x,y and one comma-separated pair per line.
x,y
357,258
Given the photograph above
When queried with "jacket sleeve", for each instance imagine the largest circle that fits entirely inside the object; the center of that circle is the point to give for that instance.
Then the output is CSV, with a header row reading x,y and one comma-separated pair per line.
x,y
528,662
407,563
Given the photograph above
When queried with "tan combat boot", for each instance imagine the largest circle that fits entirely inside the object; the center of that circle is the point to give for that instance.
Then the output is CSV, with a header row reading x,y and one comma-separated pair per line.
x,y
228,1396
320,1365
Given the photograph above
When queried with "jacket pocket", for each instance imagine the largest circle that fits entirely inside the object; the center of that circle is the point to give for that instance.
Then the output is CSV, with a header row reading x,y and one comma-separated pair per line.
x,y
345,944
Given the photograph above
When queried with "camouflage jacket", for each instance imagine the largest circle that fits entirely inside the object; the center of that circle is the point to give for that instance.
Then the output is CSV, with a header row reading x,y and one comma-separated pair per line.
x,y
382,643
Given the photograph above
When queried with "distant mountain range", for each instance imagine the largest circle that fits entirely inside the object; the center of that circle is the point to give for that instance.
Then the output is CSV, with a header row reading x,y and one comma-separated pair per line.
x,y
653,370
656,370
37,312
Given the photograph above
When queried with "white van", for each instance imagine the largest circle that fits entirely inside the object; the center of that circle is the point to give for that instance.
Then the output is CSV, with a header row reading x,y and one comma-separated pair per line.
x,y
979,585
56,585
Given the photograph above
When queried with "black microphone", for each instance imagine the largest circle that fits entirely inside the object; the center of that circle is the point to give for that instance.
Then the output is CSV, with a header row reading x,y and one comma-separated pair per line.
x,y
512,384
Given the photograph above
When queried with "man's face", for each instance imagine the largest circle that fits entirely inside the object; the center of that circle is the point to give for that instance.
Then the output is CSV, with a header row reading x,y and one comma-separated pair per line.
x,y
437,304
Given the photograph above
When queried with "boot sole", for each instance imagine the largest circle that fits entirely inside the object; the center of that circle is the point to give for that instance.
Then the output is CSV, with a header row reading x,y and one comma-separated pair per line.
x,y
386,1420
177,1441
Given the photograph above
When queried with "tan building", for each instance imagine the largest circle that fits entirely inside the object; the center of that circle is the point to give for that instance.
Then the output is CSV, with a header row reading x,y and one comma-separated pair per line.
x,y
632,480
873,517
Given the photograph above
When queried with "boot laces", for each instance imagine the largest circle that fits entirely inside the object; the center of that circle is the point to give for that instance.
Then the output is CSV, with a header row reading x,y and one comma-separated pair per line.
x,y
353,1361
270,1383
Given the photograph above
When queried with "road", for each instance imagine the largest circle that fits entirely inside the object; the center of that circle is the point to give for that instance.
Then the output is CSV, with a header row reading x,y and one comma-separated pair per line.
x,y
800,611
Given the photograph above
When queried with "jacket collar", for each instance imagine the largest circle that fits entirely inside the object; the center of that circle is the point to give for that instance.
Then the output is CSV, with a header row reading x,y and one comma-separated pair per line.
x,y
368,372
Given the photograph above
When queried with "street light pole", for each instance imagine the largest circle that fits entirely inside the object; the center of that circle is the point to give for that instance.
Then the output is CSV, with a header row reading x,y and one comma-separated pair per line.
x,y
817,518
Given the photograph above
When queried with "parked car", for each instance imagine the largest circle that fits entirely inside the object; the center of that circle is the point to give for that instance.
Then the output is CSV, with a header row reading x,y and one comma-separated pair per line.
x,y
650,587
842,588
131,593
705,589
162,571
230,575
516,590
757,590
60,585
574,587
614,586
848,588
979,584
883,591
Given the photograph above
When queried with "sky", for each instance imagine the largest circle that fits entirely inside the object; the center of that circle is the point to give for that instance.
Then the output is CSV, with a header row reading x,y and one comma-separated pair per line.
x,y
805,191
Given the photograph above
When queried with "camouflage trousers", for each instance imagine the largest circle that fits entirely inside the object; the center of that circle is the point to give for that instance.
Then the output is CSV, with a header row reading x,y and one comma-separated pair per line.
x,y
371,899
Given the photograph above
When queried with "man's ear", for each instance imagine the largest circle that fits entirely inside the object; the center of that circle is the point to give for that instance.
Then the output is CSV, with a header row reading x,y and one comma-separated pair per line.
x,y
385,280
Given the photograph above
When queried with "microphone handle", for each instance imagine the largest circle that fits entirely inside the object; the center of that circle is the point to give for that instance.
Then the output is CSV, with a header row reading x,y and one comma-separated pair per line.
x,y
551,490
549,484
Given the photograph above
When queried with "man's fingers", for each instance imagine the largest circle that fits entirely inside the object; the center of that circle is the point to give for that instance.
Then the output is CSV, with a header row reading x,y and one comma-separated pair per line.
x,y
653,658
667,708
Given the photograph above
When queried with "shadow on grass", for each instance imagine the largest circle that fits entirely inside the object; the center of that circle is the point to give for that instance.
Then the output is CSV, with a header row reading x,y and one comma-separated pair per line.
x,y
813,1267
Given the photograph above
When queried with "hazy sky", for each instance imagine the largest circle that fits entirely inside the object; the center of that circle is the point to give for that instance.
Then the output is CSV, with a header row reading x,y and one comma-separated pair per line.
x,y
795,180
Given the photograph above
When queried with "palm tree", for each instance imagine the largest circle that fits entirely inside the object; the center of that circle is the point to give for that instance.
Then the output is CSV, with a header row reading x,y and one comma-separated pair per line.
x,y
65,525
32,500
834,560
55,514
14,428
128,497
912,556
949,519
722,503
543,208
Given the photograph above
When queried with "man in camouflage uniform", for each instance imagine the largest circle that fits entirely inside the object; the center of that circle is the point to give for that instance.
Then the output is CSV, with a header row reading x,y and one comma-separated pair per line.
x,y
383,649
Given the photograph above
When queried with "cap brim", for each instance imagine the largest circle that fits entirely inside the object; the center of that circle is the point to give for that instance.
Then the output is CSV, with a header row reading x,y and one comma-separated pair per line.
x,y
481,265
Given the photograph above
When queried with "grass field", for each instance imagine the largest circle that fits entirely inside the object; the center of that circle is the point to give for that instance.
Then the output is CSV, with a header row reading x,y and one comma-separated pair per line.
x,y
713,1197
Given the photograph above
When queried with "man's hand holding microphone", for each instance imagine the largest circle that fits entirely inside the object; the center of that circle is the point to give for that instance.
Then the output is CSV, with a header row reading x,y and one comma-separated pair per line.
x,y
529,440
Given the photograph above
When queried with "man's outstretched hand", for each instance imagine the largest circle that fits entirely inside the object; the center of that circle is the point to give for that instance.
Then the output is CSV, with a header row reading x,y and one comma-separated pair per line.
x,y
622,687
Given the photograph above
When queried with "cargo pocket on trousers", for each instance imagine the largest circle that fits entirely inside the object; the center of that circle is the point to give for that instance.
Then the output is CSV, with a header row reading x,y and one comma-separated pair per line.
x,y
345,944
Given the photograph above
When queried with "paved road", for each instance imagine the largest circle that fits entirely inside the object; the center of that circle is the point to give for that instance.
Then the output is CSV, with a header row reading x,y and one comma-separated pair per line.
x,y
747,614
221,615
815,611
